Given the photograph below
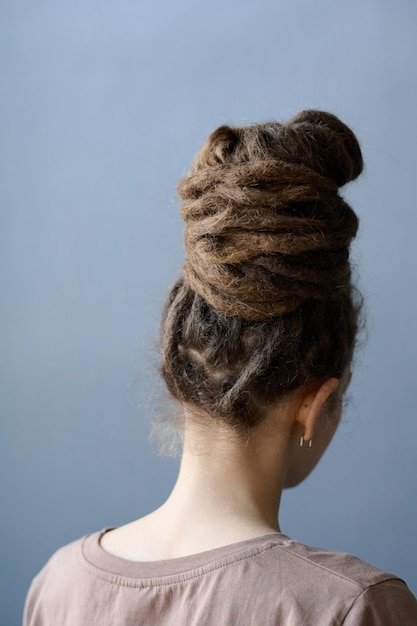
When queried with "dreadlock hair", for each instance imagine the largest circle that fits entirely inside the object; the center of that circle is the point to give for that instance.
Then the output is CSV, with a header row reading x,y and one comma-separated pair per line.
x,y
265,303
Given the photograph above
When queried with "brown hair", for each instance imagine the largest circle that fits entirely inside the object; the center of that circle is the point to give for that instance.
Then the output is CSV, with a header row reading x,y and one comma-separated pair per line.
x,y
265,303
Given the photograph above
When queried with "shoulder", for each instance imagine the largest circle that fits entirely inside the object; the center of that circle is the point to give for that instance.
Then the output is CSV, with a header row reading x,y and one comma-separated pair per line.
x,y
336,585
386,603
60,574
270,575
321,562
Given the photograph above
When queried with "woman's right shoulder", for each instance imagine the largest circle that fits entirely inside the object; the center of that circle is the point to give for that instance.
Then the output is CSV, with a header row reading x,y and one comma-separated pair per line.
x,y
365,594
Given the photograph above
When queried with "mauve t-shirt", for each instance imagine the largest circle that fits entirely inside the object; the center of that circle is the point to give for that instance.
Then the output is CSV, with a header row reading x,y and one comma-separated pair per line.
x,y
269,580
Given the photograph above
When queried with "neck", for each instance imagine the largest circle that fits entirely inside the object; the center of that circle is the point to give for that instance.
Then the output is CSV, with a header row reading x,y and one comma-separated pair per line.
x,y
227,491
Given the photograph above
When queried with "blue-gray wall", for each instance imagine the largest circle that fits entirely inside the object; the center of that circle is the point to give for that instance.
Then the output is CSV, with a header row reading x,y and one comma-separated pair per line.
x,y
103,105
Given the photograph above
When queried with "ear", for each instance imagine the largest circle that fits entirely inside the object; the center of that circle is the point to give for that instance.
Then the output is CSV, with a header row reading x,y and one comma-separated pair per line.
x,y
311,404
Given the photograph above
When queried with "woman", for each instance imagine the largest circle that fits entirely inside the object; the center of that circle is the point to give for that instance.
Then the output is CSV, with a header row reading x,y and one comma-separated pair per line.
x,y
257,339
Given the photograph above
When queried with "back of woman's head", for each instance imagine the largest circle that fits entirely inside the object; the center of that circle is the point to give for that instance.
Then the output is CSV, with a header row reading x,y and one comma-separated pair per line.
x,y
265,303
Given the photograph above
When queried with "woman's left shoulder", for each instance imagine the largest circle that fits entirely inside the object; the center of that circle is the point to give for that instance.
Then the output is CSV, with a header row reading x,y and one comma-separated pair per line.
x,y
60,575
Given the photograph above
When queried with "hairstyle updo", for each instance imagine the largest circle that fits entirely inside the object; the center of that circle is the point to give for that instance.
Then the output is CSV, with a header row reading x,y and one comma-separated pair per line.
x,y
265,303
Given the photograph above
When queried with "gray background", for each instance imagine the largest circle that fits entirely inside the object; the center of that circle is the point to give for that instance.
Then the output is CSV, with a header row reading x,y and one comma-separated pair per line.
x,y
103,105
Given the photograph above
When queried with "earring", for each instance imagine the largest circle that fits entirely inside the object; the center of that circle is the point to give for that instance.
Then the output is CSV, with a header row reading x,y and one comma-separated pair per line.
x,y
305,444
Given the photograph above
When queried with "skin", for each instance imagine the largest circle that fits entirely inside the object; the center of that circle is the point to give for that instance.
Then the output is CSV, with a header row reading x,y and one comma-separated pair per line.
x,y
229,490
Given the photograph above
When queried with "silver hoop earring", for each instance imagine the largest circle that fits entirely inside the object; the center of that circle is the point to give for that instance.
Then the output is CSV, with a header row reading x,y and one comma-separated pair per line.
x,y
305,444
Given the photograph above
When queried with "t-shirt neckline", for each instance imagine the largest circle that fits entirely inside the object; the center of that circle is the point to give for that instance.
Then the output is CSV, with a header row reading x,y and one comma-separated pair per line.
x,y
94,555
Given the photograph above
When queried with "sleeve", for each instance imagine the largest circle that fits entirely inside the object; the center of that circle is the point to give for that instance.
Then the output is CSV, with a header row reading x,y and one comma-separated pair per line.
x,y
388,603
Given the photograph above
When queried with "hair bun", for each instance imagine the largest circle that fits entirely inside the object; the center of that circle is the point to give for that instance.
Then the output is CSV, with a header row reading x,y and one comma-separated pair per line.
x,y
265,227
336,152
218,146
